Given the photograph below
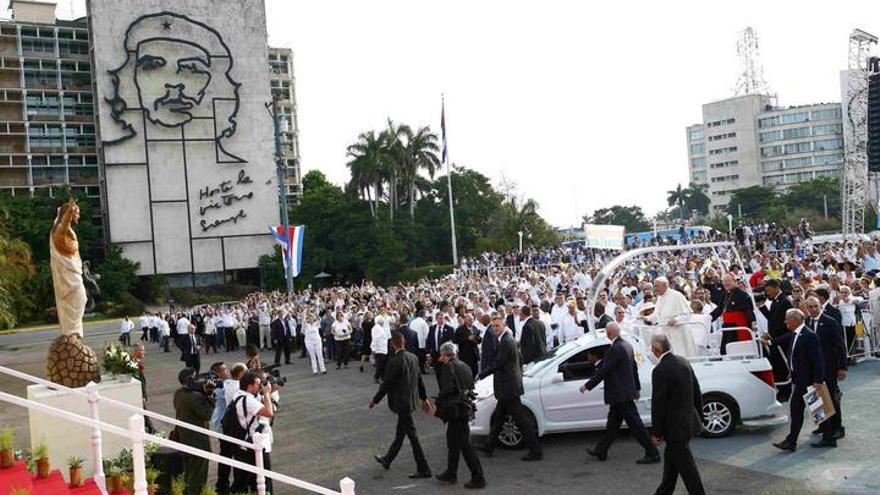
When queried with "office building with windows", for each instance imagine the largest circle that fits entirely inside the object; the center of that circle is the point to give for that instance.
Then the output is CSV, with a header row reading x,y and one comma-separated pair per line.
x,y
47,129
283,83
47,109
747,140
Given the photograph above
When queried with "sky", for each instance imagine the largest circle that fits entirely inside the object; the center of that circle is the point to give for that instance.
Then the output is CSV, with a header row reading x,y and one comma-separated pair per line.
x,y
582,104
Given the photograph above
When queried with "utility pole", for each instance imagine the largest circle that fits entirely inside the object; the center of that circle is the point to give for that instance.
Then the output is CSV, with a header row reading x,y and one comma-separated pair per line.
x,y
445,157
272,108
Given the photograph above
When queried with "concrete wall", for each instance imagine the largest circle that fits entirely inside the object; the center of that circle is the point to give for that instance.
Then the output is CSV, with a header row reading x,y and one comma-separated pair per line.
x,y
186,143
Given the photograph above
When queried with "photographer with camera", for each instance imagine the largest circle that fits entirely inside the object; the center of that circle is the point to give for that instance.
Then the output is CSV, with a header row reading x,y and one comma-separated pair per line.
x,y
223,397
455,406
192,405
248,408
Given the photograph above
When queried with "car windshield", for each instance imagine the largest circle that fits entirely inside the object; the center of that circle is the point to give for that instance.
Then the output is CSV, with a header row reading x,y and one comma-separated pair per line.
x,y
541,363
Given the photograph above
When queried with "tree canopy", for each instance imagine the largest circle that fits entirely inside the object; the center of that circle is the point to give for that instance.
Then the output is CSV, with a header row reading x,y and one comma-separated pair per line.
x,y
631,217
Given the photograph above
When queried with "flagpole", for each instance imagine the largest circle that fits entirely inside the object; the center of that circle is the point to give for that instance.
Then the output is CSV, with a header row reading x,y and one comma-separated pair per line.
x,y
448,180
282,191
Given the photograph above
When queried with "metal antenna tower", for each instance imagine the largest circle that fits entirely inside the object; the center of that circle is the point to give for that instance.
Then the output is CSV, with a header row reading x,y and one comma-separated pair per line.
x,y
855,188
751,78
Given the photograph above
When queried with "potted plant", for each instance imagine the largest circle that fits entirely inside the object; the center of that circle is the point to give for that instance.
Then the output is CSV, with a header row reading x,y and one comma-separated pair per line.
x,y
113,475
41,457
178,485
7,447
152,481
75,465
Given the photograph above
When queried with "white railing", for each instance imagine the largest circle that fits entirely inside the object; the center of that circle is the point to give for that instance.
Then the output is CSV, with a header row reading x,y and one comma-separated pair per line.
x,y
137,434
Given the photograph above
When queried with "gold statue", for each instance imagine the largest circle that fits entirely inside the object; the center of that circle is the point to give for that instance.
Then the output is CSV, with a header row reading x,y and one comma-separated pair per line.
x,y
67,275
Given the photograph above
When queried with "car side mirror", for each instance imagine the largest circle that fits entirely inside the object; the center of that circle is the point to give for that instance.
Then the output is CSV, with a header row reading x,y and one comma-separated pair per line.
x,y
557,378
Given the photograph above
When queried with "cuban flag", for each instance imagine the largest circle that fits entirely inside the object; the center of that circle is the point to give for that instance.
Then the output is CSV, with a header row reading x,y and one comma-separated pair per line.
x,y
291,246
443,130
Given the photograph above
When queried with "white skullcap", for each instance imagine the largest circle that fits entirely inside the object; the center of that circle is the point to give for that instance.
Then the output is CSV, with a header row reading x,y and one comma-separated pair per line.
x,y
662,279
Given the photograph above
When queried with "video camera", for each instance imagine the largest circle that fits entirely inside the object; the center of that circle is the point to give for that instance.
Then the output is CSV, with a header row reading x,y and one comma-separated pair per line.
x,y
205,383
274,375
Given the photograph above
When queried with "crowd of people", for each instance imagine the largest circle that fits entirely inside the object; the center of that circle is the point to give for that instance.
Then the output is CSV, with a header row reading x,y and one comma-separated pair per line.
x,y
529,303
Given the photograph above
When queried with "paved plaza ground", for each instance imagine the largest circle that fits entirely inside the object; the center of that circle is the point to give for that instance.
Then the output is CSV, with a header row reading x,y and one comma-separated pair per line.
x,y
325,432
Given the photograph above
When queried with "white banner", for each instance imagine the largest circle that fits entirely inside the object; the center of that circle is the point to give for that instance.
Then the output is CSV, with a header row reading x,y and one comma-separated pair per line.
x,y
604,236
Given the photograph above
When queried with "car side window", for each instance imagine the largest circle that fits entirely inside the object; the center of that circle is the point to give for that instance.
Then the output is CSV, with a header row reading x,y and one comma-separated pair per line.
x,y
578,367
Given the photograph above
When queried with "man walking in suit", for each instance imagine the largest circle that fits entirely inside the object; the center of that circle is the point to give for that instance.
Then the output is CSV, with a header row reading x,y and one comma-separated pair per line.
x,y
619,371
404,386
507,380
533,342
467,338
675,404
774,310
189,349
807,368
834,356
438,334
193,407
282,337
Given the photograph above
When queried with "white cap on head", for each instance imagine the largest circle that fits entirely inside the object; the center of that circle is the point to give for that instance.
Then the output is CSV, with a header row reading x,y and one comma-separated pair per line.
x,y
662,279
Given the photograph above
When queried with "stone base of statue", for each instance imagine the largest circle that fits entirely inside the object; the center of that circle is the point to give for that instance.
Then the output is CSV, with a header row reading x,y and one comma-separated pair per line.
x,y
66,438
71,362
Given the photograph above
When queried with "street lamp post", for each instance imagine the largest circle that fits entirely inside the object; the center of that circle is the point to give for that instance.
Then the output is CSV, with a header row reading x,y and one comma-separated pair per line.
x,y
520,234
729,223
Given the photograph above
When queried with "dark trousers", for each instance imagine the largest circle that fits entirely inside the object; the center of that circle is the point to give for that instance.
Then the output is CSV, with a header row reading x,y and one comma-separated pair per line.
x,y
195,472
780,371
144,333
342,351
406,428
458,441
125,338
836,421
154,334
678,461
210,343
244,481
797,415
231,339
380,365
166,343
301,342
284,345
514,408
422,355
617,414
193,361
226,450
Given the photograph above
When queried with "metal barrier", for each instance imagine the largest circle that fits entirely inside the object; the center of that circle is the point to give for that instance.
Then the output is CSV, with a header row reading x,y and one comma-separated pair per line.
x,y
137,434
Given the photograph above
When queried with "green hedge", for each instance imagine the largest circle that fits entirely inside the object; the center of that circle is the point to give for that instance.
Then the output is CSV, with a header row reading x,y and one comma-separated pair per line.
x,y
211,294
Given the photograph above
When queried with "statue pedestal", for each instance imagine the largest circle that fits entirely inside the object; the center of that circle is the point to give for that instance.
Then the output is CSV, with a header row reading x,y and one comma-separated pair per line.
x,y
65,438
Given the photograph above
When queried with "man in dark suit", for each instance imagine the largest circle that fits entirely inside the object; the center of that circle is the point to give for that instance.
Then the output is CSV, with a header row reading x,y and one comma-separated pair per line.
x,y
404,386
829,309
507,380
602,318
675,404
807,368
438,334
834,356
620,372
489,346
189,349
282,336
468,339
775,314
193,407
410,338
533,342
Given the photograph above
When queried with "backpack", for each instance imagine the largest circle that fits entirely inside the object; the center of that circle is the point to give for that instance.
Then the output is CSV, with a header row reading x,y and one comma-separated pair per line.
x,y
230,424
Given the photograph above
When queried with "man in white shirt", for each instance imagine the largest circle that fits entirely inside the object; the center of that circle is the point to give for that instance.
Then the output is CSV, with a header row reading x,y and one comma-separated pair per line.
x,y
248,409
570,328
671,304
265,319
144,324
125,331
421,328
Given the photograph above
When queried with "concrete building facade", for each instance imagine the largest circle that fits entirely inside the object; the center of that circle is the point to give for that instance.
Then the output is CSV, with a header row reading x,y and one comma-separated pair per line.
x,y
50,138
747,140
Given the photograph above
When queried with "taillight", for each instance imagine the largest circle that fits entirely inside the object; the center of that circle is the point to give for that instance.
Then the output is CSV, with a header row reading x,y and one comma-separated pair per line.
x,y
766,377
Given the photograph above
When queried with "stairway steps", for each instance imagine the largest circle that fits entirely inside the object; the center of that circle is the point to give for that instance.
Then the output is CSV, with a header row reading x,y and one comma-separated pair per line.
x,y
54,484
16,476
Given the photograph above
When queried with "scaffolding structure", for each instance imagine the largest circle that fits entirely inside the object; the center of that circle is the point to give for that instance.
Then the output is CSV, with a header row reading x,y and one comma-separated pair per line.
x,y
751,78
856,189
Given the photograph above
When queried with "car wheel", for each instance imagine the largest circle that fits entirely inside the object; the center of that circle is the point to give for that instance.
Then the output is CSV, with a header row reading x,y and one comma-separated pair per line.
x,y
511,437
719,416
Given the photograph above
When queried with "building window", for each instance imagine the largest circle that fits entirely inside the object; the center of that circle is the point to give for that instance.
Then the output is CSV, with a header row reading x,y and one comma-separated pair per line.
x,y
719,137
828,114
798,148
797,132
719,151
725,178
730,163
793,118
696,134
768,122
698,176
827,159
822,130
771,166
801,162
718,123
828,144
770,136
698,162
697,148
774,180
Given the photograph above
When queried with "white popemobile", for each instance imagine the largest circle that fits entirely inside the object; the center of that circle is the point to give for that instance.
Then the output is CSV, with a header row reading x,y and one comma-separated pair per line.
x,y
737,388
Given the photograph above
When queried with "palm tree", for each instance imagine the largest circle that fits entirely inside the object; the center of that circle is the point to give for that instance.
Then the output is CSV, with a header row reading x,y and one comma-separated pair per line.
x,y
395,151
16,269
368,157
677,196
697,198
421,154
